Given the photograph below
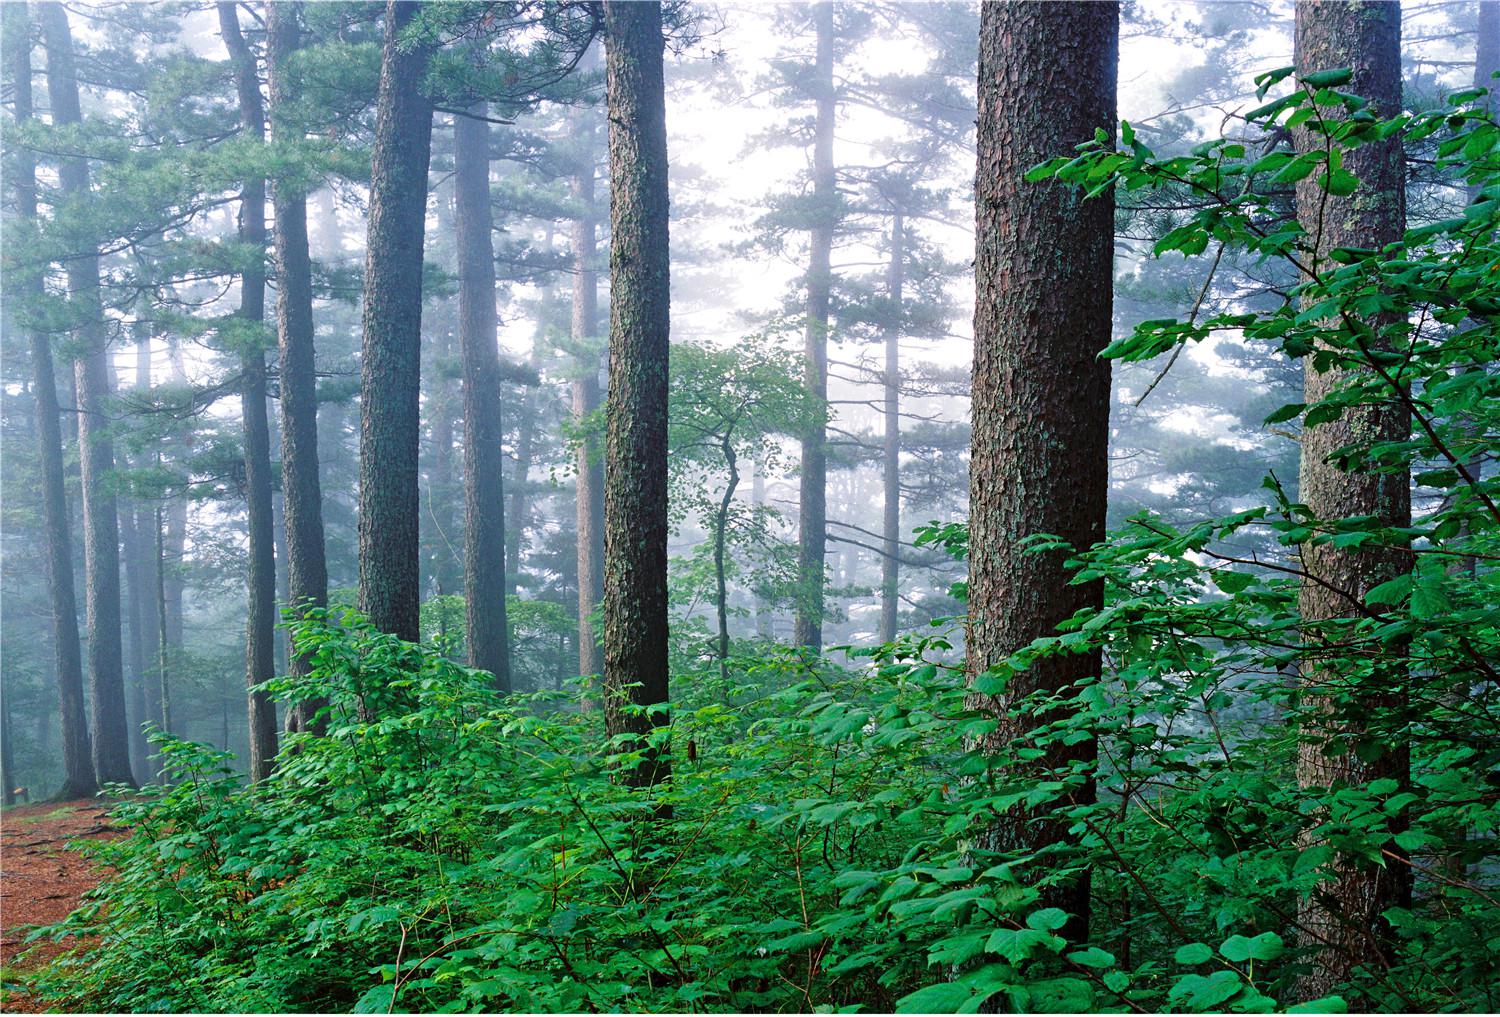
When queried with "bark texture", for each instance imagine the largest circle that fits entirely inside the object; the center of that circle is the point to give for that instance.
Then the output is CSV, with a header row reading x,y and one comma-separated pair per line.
x,y
78,767
812,512
390,366
260,620
1043,269
302,493
590,463
635,484
1342,919
96,450
890,564
484,454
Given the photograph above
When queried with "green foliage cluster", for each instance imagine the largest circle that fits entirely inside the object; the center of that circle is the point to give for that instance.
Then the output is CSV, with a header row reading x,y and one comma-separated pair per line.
x,y
819,845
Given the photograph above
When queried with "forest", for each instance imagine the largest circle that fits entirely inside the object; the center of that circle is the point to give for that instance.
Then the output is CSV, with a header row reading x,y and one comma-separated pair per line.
x,y
859,506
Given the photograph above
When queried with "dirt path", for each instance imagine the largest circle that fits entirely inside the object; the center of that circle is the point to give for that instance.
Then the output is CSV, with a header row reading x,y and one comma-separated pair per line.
x,y
41,881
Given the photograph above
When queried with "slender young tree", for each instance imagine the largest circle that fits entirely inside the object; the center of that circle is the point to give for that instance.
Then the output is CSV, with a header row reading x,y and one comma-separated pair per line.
x,y
390,366
484,457
260,622
1339,918
635,471
96,451
585,391
813,505
890,562
1043,272
302,494
78,767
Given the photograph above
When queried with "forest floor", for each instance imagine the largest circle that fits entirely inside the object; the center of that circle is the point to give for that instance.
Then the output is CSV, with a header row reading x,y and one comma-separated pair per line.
x,y
42,879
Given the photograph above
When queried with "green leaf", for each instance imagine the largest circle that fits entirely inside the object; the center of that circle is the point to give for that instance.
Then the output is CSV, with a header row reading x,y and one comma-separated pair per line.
x,y
1328,1004
1093,957
1331,78
945,997
1193,954
1287,412
1266,946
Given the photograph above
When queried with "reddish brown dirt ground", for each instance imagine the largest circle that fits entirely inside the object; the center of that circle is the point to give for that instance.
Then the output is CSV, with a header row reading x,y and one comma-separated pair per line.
x,y
41,881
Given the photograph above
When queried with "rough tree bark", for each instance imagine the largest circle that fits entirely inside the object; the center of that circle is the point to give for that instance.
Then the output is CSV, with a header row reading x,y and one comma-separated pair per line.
x,y
390,368
890,564
590,463
635,472
484,455
78,767
96,451
812,513
1342,919
302,493
1043,272
260,621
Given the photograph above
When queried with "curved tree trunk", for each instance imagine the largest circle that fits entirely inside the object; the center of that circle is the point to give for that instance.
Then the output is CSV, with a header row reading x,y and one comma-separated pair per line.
x,y
721,585
484,454
260,622
635,472
78,767
1043,267
813,506
1344,915
302,493
96,450
390,592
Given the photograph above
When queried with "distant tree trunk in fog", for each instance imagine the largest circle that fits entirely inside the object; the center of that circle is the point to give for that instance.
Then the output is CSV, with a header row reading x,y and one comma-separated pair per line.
x,y
720,536
143,585
590,461
484,454
96,452
526,427
1043,272
260,621
1343,919
163,645
78,767
390,592
812,511
890,564
763,621
635,472
302,493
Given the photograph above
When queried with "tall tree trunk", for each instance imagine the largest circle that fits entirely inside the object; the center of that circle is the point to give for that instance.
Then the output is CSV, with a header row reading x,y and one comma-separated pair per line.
x,y
143,587
764,627
260,622
1043,271
1343,918
890,565
813,509
526,427
635,484
390,592
484,454
78,767
721,585
302,492
101,526
590,462
163,644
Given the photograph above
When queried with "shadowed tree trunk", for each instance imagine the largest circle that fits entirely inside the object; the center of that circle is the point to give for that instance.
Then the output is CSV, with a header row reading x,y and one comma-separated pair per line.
x,y
590,463
260,621
635,472
302,495
96,451
390,366
78,767
1343,918
890,564
484,454
1043,271
813,506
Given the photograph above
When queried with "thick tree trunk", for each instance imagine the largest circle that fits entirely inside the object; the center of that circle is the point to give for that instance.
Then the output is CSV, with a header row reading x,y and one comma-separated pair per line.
x,y
260,622
590,462
1043,272
390,593
813,510
635,472
302,493
484,454
1342,920
890,565
101,527
78,767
